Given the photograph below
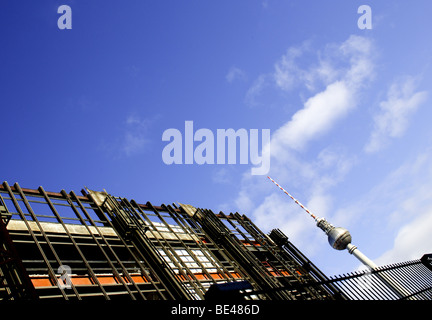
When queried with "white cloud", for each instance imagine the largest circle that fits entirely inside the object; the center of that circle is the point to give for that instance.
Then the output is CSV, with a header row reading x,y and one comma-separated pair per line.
x,y
131,137
235,73
321,111
287,73
318,115
408,198
244,201
135,135
412,240
333,164
349,61
221,175
274,212
256,90
392,120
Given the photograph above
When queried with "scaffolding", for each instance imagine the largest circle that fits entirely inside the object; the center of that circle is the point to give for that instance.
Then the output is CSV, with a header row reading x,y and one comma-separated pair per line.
x,y
95,245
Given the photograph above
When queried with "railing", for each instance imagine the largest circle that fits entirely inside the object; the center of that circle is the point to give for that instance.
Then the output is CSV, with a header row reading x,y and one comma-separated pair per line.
x,y
413,276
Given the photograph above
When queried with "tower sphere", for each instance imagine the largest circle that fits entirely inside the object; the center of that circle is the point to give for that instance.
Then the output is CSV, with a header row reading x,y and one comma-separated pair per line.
x,y
339,238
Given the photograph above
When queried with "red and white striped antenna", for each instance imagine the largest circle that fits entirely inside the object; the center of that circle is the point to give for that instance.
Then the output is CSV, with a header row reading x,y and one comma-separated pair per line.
x,y
295,200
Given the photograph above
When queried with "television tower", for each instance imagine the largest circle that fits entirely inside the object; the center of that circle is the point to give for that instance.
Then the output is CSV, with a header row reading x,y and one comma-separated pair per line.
x,y
340,239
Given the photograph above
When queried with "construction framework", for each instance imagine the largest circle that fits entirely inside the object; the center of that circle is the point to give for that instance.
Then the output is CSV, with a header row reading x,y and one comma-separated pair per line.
x,y
95,245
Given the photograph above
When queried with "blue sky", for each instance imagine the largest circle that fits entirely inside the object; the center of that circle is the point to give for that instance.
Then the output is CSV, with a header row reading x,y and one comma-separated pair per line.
x,y
348,109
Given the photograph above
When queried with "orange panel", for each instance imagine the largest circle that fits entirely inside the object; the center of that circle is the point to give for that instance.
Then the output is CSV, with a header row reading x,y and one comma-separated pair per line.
x,y
200,276
139,279
107,279
41,282
81,281
216,276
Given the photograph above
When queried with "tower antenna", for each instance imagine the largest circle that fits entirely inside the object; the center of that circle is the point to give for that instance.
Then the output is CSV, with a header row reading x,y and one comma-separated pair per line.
x,y
295,200
340,239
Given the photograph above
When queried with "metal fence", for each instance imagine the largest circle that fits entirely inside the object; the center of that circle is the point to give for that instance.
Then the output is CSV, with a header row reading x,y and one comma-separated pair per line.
x,y
413,277
410,280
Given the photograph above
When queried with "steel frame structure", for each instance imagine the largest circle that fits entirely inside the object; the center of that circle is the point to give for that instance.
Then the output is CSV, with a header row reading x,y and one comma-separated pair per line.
x,y
116,248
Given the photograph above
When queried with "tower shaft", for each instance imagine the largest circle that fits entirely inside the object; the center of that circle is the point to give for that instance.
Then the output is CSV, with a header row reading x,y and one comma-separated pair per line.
x,y
352,249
